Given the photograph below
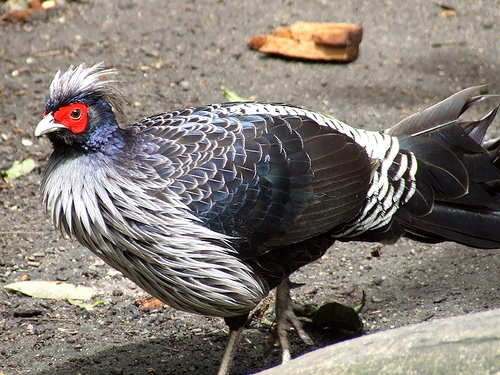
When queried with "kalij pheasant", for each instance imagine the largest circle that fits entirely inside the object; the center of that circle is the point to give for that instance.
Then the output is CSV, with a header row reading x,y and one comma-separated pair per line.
x,y
209,208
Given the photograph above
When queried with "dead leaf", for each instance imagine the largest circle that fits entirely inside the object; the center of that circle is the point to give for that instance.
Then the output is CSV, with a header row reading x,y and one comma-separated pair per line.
x,y
22,11
448,13
337,316
52,290
149,303
19,169
312,41
330,34
86,306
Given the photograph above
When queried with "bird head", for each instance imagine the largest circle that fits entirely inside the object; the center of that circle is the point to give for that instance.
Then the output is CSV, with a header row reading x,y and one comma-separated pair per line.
x,y
81,106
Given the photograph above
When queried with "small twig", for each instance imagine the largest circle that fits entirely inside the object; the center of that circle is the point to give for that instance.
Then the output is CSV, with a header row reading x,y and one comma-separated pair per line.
x,y
444,6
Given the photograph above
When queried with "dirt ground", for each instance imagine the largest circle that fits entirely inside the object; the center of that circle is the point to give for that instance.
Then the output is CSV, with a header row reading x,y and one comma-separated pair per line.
x,y
179,53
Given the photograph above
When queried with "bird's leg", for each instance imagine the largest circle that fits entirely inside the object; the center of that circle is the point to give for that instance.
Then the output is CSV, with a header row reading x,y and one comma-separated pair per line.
x,y
235,325
285,315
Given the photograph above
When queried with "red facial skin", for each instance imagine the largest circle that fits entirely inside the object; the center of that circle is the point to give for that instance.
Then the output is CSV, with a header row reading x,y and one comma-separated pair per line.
x,y
73,117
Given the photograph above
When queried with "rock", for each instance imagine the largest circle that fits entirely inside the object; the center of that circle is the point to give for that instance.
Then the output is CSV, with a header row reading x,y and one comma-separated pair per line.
x,y
467,344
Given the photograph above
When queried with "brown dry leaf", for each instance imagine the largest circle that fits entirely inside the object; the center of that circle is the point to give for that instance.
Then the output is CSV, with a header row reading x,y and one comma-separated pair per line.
x,y
149,303
448,13
52,290
23,12
331,34
312,41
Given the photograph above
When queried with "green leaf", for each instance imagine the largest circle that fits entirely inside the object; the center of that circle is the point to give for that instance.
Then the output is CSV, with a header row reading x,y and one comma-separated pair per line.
x,y
86,306
19,169
337,316
361,303
233,97
52,290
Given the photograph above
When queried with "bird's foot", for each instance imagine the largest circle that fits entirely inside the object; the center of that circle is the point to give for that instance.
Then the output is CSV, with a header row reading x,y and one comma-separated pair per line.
x,y
285,317
235,325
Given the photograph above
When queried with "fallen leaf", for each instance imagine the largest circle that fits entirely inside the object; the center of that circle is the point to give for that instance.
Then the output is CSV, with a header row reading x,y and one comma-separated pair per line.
x,y
149,303
448,13
312,41
361,303
22,11
330,34
86,306
337,316
52,290
232,96
19,169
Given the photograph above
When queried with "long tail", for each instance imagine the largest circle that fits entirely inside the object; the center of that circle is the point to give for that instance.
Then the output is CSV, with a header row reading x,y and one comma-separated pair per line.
x,y
457,195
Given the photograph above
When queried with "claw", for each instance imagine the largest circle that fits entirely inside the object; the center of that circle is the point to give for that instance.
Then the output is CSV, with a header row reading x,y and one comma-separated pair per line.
x,y
284,317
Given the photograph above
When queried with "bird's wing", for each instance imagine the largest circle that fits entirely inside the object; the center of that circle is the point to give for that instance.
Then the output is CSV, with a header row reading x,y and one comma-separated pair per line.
x,y
267,180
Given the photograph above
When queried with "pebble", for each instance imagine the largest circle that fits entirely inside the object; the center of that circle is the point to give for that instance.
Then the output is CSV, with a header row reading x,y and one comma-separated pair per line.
x,y
376,299
185,85
62,277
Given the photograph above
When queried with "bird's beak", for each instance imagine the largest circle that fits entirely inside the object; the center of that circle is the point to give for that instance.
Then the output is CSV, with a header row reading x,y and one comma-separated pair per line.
x,y
47,125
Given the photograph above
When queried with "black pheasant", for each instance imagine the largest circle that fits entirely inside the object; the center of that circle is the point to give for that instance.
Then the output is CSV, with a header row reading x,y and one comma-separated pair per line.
x,y
209,208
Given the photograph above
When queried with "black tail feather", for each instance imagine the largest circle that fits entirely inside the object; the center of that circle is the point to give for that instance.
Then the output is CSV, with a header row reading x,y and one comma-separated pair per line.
x,y
455,223
444,112
458,178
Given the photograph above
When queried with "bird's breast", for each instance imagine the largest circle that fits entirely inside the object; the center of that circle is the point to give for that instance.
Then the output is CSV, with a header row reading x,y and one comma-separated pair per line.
x,y
153,240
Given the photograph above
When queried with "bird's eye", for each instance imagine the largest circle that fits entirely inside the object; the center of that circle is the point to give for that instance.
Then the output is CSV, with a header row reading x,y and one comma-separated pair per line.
x,y
76,114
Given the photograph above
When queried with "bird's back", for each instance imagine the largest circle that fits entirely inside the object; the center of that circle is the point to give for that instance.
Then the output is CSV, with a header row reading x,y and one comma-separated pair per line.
x,y
270,175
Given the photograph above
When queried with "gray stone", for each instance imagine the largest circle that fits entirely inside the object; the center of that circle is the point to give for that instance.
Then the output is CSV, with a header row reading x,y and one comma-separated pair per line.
x,y
467,344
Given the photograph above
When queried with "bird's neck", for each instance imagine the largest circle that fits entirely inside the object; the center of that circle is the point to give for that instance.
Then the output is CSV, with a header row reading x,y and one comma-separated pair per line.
x,y
108,139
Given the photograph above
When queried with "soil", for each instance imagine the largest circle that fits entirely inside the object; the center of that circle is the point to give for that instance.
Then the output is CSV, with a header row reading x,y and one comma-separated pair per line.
x,y
179,53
